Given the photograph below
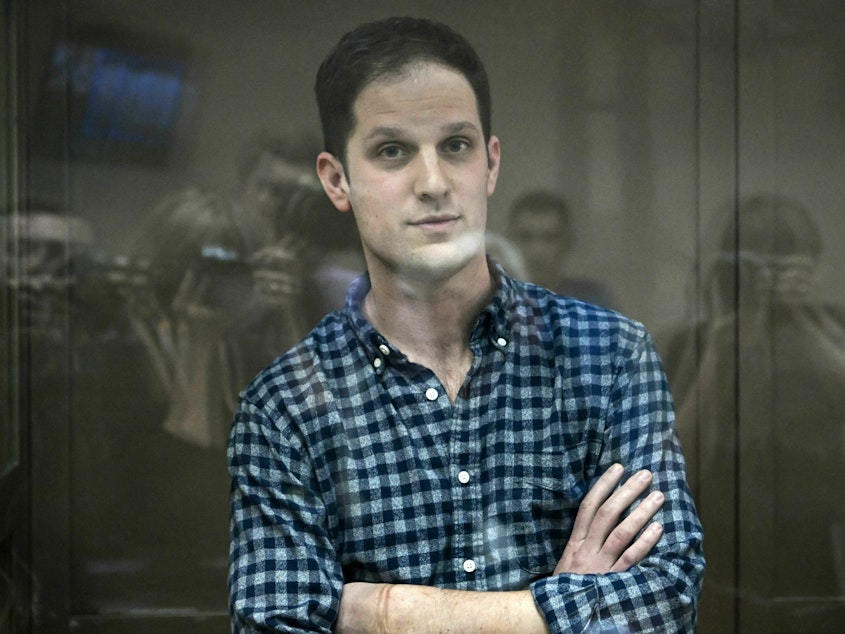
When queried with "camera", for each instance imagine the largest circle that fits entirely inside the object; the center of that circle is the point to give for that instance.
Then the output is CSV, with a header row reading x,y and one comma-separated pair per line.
x,y
228,275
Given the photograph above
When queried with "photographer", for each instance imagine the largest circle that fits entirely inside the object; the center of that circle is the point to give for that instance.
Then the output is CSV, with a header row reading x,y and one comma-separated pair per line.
x,y
211,311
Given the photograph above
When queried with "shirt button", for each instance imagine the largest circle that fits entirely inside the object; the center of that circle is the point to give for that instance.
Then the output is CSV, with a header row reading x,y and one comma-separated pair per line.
x,y
384,349
431,394
377,363
463,477
502,341
469,565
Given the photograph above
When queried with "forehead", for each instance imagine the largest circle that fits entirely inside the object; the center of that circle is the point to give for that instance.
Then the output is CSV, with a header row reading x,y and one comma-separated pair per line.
x,y
420,88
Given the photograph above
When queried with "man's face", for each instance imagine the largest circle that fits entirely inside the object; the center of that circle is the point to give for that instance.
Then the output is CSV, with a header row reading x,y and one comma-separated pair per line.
x,y
417,174
539,235
270,185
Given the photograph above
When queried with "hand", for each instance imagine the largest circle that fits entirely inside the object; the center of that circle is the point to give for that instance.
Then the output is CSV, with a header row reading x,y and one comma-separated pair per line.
x,y
189,304
599,542
277,274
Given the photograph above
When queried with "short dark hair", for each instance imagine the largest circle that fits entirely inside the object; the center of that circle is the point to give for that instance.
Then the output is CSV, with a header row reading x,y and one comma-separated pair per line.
x,y
300,147
772,224
384,48
541,199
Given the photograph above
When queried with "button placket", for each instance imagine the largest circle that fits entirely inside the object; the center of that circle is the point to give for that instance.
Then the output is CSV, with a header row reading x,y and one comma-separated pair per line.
x,y
468,496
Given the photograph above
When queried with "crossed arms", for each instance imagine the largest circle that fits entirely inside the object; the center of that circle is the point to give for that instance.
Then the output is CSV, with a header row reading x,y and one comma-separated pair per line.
x,y
279,584
599,543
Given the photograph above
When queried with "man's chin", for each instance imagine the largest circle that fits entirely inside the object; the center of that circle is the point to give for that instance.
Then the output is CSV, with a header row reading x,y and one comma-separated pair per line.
x,y
438,266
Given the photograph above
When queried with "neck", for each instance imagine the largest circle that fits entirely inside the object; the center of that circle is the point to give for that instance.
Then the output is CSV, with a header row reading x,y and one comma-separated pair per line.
x,y
431,322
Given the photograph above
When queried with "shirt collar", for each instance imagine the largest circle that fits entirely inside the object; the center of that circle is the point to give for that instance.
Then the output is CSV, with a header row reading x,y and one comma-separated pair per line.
x,y
494,321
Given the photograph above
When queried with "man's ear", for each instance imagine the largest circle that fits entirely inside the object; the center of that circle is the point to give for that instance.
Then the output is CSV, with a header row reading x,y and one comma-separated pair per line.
x,y
333,177
494,158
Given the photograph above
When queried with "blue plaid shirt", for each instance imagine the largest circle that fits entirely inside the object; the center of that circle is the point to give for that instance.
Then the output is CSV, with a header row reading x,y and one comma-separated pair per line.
x,y
350,463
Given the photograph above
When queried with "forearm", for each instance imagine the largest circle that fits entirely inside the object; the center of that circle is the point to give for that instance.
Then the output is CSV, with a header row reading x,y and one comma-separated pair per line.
x,y
409,609
657,596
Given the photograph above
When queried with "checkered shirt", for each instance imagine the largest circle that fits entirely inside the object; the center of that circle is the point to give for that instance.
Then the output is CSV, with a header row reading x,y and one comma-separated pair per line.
x,y
350,463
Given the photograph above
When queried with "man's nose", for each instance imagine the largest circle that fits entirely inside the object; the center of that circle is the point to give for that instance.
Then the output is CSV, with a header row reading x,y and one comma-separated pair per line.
x,y
432,180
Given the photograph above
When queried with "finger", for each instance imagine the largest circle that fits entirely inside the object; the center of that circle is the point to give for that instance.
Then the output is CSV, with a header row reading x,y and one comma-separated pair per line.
x,y
639,549
595,497
200,289
187,291
608,515
624,534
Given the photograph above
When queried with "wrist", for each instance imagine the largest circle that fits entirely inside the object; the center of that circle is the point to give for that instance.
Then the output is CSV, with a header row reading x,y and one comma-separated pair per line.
x,y
383,609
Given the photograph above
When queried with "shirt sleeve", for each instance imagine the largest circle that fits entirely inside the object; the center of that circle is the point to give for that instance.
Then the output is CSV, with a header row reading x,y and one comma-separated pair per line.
x,y
661,593
284,574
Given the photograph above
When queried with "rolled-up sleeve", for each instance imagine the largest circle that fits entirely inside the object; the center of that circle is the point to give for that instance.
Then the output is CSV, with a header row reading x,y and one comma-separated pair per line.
x,y
661,593
283,570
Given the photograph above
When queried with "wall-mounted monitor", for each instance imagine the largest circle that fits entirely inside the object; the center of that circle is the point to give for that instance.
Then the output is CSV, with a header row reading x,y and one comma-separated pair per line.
x,y
116,96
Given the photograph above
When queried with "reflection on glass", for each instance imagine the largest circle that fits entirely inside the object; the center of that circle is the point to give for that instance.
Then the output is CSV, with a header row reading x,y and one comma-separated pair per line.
x,y
540,225
790,346
9,424
156,363
8,355
114,95
164,337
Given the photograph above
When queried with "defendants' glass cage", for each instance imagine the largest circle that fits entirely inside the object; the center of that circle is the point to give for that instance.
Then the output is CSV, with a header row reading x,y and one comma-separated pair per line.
x,y
697,145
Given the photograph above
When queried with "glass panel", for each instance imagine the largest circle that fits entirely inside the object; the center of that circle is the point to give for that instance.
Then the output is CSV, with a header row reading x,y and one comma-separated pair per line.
x,y
200,245
6,588
792,310
9,432
179,246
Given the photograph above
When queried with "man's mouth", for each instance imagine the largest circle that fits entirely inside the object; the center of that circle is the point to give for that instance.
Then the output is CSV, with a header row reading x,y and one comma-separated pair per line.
x,y
439,221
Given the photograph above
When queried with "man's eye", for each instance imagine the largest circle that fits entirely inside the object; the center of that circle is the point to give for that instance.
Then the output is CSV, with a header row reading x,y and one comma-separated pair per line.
x,y
457,145
391,152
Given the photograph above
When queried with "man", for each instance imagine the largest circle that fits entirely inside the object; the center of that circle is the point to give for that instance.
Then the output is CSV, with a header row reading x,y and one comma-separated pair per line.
x,y
418,462
540,225
274,174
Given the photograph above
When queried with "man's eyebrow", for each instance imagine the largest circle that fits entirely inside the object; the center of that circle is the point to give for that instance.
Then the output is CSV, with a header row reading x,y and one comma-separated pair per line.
x,y
384,131
461,126
391,132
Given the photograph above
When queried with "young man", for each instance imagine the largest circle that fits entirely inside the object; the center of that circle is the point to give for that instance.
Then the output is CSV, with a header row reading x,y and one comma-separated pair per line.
x,y
274,174
540,225
446,453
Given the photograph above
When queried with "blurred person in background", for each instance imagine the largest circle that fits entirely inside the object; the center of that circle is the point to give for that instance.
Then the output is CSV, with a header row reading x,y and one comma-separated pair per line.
x,y
791,407
41,251
289,229
540,225
185,312
86,357
191,318
274,172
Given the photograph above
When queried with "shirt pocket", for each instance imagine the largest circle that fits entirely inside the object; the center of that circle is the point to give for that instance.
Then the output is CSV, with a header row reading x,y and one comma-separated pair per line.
x,y
545,502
